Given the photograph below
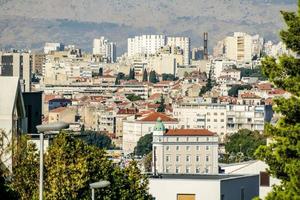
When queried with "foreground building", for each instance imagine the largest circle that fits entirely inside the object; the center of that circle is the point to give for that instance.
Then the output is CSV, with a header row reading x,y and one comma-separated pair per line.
x,y
184,151
209,187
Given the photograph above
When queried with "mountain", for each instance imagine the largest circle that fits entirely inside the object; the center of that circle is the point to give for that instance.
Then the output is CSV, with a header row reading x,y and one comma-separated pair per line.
x,y
31,23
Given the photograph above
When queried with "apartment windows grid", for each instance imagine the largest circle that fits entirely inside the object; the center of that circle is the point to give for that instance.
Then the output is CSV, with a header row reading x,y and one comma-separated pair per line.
x,y
177,170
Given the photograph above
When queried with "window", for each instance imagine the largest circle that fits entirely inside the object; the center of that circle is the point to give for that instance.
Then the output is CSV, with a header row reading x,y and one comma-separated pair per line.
x,y
222,120
187,170
167,158
222,197
197,158
167,169
208,120
177,170
167,148
177,139
187,148
222,113
215,120
177,148
197,139
207,158
187,139
177,158
206,170
215,113
197,170
197,148
207,138
207,147
188,158
264,179
242,194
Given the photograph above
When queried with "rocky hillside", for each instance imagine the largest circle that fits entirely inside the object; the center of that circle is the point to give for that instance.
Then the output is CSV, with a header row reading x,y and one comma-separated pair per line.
x,y
30,23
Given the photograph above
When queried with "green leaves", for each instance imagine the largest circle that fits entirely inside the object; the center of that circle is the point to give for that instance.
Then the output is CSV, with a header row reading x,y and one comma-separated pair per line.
x,y
144,145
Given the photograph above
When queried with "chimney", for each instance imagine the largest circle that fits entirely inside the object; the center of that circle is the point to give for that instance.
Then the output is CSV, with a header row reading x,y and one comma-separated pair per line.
x,y
205,36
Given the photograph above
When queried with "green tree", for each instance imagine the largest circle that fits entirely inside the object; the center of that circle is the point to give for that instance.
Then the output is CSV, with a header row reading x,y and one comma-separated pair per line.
x,y
147,161
256,72
209,85
243,144
71,165
153,77
133,97
25,177
144,145
145,75
131,74
97,139
283,153
168,77
162,106
234,90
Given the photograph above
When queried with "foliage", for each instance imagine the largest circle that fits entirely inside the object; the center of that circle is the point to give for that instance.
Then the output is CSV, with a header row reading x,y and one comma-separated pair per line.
x,y
209,85
71,165
131,74
145,76
169,77
147,161
256,72
120,76
162,106
144,145
283,153
133,97
243,144
25,177
97,139
234,90
153,77
186,74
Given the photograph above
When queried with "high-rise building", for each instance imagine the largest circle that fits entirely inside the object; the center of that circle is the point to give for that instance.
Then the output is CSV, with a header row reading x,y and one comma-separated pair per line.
x,y
105,48
205,45
38,60
17,64
150,44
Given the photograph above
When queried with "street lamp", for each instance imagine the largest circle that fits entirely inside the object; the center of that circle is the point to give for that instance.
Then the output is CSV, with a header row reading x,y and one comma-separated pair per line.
x,y
97,185
42,129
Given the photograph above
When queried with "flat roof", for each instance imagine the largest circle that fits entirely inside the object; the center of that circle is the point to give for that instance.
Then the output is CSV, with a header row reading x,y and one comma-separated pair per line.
x,y
200,176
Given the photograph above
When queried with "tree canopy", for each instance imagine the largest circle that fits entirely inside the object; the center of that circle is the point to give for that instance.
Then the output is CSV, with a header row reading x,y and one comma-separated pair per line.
x,y
145,76
209,85
234,90
169,77
153,77
133,97
162,106
144,145
97,139
282,154
242,145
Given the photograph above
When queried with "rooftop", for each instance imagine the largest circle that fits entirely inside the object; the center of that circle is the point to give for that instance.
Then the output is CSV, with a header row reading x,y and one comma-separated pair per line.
x,y
152,117
199,176
189,132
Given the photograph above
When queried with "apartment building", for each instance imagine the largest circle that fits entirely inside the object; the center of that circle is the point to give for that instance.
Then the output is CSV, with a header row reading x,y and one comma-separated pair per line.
x,y
134,127
184,151
105,48
18,64
223,118
184,44
51,46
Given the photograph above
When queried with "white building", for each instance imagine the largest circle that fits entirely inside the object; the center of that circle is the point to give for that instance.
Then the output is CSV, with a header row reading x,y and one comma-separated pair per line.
x,y
208,187
150,44
253,167
134,129
50,46
13,120
105,48
184,151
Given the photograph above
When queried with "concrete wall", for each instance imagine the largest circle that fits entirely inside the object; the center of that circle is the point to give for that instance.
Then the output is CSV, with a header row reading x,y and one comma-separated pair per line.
x,y
231,188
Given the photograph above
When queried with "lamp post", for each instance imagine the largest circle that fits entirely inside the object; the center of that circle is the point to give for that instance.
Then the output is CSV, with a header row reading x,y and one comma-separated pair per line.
x,y
97,185
42,129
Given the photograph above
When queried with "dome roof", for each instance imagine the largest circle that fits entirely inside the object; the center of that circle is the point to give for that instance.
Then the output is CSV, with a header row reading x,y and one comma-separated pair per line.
x,y
159,126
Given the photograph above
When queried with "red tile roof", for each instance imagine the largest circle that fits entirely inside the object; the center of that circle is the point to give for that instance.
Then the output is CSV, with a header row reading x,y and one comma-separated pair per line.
x,y
58,110
152,117
249,95
265,86
189,132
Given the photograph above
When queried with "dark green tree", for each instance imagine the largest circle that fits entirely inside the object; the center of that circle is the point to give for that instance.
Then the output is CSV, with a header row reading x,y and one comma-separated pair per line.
x,y
234,90
145,76
133,97
97,139
168,77
131,74
282,154
153,77
244,142
209,85
144,145
162,106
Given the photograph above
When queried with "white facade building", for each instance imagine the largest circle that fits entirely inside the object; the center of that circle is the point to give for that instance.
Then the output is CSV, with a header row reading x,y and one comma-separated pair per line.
x,y
105,48
184,151
184,44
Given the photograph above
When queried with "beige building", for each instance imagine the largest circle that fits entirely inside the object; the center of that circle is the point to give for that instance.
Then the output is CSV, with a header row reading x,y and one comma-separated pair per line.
x,y
184,151
62,114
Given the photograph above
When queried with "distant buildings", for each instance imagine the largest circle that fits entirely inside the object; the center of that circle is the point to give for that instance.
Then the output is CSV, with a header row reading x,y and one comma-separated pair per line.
x,y
105,48
50,46
150,44
184,151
